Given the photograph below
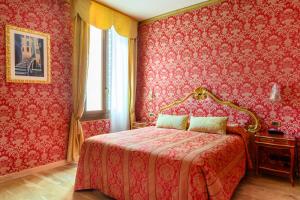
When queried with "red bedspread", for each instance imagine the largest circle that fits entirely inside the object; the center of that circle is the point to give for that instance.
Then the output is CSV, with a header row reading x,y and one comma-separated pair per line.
x,y
153,163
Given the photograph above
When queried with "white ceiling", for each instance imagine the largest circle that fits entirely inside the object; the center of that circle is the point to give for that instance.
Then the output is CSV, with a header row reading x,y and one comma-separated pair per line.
x,y
145,9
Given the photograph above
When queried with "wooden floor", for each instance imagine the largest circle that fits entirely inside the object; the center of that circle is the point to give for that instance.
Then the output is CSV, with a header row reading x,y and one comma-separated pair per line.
x,y
57,184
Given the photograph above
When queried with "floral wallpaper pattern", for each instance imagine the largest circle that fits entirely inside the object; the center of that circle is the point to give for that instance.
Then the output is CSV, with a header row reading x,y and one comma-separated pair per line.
x,y
95,127
237,49
34,118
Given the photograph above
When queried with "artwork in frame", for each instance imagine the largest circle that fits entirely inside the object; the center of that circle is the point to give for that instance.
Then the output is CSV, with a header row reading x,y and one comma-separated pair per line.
x,y
27,56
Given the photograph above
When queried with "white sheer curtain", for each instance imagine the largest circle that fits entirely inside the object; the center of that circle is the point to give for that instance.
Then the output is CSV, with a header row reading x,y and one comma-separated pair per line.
x,y
119,106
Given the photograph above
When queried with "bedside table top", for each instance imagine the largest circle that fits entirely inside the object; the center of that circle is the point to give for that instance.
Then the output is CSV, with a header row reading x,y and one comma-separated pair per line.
x,y
143,123
265,134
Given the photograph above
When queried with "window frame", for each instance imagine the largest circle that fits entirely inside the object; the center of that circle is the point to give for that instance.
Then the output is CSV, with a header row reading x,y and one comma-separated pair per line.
x,y
100,114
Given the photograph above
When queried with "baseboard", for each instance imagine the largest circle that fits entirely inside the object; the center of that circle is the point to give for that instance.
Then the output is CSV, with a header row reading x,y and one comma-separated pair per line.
x,y
30,171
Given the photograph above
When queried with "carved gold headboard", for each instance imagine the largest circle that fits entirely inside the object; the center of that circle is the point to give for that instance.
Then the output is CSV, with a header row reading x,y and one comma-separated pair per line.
x,y
202,93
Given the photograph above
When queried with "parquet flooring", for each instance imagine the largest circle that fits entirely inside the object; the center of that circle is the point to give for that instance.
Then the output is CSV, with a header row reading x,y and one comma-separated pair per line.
x,y
57,184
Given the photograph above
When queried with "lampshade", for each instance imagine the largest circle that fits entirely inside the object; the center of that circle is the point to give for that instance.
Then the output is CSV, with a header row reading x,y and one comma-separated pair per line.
x,y
275,93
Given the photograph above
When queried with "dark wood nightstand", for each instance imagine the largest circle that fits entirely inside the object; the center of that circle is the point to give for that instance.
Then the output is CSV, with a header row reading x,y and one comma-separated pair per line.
x,y
281,160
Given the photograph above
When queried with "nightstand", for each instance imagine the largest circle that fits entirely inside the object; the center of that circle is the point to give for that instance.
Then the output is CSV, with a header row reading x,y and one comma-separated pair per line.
x,y
136,125
281,157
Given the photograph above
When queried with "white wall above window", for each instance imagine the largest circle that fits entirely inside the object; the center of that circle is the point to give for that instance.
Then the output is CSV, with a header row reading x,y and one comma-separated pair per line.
x,y
145,9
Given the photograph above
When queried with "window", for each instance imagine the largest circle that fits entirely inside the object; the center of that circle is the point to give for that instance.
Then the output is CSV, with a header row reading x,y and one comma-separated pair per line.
x,y
108,66
94,102
95,107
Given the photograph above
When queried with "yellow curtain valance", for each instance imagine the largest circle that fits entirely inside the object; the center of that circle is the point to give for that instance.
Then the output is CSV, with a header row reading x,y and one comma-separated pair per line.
x,y
103,17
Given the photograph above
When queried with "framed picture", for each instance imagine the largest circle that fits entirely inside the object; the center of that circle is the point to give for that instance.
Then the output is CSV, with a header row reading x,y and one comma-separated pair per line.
x,y
27,56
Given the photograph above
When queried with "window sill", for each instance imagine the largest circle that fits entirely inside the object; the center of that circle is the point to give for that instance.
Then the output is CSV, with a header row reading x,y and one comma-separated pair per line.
x,y
95,115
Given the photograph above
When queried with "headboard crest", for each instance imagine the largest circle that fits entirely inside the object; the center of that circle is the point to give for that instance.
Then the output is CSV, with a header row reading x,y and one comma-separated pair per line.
x,y
202,93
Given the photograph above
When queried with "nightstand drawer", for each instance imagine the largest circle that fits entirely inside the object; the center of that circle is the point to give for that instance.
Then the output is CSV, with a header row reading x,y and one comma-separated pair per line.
x,y
276,163
275,141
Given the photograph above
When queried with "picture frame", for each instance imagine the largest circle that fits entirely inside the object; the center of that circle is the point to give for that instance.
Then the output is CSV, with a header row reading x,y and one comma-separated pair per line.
x,y
27,56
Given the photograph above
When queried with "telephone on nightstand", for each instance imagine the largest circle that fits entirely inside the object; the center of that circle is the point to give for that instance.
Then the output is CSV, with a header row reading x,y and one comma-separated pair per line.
x,y
274,129
275,132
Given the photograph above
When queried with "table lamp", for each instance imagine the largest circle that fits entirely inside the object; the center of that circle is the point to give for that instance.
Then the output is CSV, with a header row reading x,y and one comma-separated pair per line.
x,y
275,97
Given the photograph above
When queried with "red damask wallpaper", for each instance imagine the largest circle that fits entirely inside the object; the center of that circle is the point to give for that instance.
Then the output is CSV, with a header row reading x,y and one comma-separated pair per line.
x,y
34,118
95,127
237,49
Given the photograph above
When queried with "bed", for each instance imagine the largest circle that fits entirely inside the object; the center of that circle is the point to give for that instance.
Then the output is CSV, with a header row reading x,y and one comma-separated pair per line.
x,y
158,163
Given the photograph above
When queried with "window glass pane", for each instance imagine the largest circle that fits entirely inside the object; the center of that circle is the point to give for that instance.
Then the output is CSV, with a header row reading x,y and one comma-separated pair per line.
x,y
94,99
